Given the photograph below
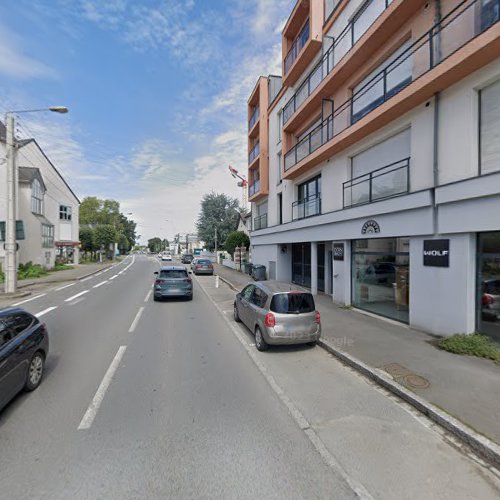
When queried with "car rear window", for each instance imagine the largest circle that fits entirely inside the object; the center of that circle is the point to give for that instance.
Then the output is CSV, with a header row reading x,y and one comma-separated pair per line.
x,y
292,303
204,262
173,274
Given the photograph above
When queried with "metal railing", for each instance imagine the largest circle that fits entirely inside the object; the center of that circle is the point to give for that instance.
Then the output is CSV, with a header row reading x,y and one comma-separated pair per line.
x,y
385,182
455,30
307,207
253,118
336,52
297,46
254,188
254,152
260,222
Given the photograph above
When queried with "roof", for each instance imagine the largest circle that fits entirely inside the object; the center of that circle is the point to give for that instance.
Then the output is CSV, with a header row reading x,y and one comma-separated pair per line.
x,y
172,268
27,174
280,286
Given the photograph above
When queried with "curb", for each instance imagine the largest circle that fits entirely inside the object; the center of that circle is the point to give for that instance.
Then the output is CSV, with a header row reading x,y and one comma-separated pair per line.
x,y
93,272
481,445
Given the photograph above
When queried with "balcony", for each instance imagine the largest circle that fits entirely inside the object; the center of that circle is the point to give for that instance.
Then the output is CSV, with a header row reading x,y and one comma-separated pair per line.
x,y
437,60
254,153
385,182
254,188
253,119
364,34
308,207
260,222
298,44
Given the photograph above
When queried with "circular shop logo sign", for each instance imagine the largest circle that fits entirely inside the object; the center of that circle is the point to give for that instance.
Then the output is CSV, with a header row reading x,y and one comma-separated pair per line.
x,y
370,227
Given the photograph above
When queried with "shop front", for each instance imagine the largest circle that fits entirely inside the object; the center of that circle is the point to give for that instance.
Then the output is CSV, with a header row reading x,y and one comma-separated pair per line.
x,y
301,265
380,276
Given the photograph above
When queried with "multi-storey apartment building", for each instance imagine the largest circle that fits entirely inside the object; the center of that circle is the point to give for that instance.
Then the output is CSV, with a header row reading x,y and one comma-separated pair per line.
x,y
378,177
47,208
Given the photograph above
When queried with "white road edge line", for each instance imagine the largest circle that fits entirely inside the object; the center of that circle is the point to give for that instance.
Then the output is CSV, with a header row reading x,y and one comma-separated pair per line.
x,y
76,296
93,408
148,295
65,286
41,313
136,320
28,300
106,270
100,284
296,414
86,279
113,277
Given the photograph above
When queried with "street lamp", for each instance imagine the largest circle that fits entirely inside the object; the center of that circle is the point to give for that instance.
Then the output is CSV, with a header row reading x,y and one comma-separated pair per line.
x,y
10,226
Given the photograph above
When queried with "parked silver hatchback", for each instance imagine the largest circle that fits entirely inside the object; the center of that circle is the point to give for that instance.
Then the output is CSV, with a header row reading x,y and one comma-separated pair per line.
x,y
278,313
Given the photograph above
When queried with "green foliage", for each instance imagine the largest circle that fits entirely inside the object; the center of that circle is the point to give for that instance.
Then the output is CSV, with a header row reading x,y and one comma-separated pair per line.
x,y
471,345
156,244
87,239
218,212
30,271
105,235
236,239
61,267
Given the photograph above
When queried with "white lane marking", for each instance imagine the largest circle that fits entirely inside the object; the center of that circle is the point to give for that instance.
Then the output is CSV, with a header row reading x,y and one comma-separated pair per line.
x,y
65,286
45,311
136,320
76,296
113,277
93,408
100,284
28,300
86,279
148,295
98,274
106,270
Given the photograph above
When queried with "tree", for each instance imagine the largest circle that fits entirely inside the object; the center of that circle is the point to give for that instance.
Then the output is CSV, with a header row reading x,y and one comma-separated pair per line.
x,y
87,240
236,239
218,212
155,245
105,236
90,211
123,243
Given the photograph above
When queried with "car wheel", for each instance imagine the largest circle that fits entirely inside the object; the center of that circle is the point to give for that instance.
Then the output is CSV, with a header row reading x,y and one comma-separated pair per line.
x,y
35,372
235,314
260,343
312,344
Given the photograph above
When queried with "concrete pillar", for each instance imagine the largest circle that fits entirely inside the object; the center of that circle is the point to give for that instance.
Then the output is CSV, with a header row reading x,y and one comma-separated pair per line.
x,y
314,268
76,255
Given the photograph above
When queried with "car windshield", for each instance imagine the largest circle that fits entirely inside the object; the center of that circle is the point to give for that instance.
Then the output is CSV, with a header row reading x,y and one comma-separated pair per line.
x,y
173,274
292,303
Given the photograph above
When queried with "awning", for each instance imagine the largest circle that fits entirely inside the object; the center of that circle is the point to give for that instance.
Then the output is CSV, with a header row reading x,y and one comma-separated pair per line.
x,y
67,243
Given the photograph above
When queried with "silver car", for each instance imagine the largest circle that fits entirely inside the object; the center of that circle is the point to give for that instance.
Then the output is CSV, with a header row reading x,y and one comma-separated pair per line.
x,y
278,313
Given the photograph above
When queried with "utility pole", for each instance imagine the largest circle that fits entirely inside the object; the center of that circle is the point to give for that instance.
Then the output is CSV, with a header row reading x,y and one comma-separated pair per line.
x,y
10,229
215,243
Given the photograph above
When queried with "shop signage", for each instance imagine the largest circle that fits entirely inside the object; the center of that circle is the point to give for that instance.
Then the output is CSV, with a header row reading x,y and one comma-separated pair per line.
x,y
437,253
338,251
370,227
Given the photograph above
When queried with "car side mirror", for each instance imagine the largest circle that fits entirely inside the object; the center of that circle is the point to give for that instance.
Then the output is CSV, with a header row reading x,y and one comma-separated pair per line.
x,y
156,272
238,296
190,272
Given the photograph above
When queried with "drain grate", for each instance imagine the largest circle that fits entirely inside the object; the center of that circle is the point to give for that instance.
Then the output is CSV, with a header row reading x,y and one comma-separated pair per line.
x,y
406,377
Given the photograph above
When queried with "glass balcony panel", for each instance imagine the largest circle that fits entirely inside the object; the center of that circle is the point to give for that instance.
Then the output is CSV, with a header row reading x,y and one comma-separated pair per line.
x,y
368,97
343,45
301,95
302,149
367,17
315,139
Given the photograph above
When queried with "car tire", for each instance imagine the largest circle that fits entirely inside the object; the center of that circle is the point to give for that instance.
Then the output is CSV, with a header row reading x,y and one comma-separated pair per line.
x,y
235,314
312,344
260,343
35,372
156,299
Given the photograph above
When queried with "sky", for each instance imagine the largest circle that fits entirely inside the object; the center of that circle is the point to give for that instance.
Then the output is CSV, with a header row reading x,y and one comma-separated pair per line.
x,y
157,92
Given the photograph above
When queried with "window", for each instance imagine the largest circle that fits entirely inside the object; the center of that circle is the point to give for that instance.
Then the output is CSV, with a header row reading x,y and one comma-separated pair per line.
x,y
47,236
280,172
173,274
13,325
64,212
490,128
248,292
292,303
280,208
36,197
365,17
259,298
384,82
490,13
308,199
280,113
330,6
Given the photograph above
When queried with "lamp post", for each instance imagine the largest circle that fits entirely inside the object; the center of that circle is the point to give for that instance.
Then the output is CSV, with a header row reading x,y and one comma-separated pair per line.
x,y
10,226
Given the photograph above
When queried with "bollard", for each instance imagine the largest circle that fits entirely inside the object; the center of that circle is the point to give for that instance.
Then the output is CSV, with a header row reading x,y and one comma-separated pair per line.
x,y
217,282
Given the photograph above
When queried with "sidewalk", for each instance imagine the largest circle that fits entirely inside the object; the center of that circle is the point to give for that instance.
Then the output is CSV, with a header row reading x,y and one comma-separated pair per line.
x,y
465,387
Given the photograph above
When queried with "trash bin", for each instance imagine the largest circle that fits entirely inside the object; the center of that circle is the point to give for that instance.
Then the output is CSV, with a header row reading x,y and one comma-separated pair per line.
x,y
259,273
248,267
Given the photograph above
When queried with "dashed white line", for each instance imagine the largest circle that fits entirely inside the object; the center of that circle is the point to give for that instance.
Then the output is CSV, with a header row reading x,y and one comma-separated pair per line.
x,y
65,286
45,311
136,320
106,270
91,412
76,296
148,295
113,277
28,300
100,284
86,279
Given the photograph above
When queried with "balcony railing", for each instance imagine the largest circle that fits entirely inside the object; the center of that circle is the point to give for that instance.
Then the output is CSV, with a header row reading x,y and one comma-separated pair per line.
x,y
307,207
254,152
385,182
297,46
260,222
455,30
254,188
340,48
253,118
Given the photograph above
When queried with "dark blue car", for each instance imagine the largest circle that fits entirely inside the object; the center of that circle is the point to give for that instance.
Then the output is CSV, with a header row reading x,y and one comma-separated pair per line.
x,y
24,346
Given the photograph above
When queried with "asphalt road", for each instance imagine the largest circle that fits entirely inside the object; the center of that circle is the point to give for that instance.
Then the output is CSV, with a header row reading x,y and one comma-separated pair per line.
x,y
171,400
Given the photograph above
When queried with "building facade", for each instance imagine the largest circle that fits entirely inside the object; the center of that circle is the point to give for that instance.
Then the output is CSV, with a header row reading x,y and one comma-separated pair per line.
x,y
47,209
381,186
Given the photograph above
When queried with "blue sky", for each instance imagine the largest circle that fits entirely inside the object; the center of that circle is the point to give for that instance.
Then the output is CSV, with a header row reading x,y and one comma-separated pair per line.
x,y
157,93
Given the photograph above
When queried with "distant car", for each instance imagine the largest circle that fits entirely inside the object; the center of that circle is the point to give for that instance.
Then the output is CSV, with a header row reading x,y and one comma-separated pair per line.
x,y
278,313
166,257
187,258
24,346
173,281
491,299
203,266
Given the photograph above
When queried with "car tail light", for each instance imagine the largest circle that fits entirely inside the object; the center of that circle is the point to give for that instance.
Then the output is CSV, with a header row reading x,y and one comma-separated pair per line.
x,y
188,280
318,318
487,299
159,282
270,320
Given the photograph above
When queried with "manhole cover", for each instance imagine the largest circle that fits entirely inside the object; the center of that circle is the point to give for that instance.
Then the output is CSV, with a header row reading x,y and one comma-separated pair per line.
x,y
396,370
416,381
